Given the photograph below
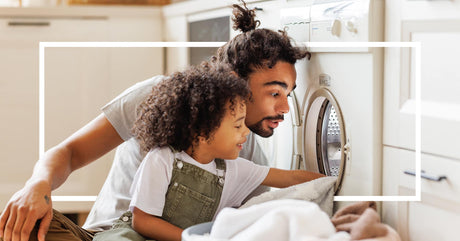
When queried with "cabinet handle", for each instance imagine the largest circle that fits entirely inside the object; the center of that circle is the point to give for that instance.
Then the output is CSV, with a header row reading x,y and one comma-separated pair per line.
x,y
426,176
33,24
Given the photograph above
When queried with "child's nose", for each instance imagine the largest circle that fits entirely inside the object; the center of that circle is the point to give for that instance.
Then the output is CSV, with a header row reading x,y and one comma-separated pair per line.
x,y
245,130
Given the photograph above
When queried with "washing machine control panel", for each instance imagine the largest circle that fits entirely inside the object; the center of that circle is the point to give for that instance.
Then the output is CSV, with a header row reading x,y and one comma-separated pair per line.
x,y
296,21
339,21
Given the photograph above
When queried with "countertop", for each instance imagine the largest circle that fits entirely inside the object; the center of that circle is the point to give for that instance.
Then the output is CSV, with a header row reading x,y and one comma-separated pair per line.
x,y
95,11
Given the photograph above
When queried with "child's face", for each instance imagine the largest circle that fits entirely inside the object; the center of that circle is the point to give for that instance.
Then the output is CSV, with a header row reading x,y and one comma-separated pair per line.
x,y
227,140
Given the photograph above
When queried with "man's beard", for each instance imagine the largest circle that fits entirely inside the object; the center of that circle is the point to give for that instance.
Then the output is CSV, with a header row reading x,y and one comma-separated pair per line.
x,y
259,130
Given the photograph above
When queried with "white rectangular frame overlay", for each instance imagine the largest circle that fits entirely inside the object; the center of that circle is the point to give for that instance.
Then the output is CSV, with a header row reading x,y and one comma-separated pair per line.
x,y
415,45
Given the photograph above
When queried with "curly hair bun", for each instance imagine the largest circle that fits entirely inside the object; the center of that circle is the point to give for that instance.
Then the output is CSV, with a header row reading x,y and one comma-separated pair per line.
x,y
243,18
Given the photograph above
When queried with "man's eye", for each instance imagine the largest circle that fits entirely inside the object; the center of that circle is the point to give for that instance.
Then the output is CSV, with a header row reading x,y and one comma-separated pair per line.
x,y
275,94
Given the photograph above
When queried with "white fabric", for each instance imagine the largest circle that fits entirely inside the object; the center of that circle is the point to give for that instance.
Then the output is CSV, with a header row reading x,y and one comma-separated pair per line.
x,y
319,191
114,198
154,175
287,219
278,220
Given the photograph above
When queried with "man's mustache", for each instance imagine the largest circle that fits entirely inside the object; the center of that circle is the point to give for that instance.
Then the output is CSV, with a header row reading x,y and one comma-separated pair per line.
x,y
278,117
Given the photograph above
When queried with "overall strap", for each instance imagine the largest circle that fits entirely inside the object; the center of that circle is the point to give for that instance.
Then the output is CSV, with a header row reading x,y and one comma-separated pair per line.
x,y
221,167
172,149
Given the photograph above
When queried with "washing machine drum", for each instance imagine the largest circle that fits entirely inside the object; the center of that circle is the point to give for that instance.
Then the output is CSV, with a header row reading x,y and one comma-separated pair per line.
x,y
325,146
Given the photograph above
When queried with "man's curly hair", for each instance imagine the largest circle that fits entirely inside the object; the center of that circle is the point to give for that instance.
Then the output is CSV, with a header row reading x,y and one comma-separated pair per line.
x,y
186,105
256,47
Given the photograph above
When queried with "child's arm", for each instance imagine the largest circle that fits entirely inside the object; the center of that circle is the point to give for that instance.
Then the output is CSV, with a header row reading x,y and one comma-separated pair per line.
x,y
153,227
284,178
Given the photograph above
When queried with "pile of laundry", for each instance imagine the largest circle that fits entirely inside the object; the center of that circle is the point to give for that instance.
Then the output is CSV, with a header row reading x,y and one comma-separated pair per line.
x,y
299,213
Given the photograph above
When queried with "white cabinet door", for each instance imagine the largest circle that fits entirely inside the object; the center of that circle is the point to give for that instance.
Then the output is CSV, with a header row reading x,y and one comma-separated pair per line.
x,y
437,215
440,78
78,82
67,102
436,25
19,108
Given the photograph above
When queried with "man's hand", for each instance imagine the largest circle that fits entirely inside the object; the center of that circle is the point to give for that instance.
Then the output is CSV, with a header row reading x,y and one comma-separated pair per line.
x,y
31,203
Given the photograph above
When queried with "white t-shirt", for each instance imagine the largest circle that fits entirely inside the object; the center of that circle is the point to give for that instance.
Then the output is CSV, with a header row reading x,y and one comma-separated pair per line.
x,y
114,198
154,176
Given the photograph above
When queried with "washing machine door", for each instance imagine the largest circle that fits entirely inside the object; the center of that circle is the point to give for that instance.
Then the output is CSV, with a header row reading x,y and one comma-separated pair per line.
x,y
325,146
313,140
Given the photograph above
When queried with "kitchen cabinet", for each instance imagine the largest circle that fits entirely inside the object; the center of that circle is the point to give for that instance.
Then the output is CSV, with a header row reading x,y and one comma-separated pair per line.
x,y
437,215
436,25
78,82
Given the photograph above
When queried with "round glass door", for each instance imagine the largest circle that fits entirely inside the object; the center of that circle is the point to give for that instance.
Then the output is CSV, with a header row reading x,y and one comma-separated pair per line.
x,y
325,147
330,143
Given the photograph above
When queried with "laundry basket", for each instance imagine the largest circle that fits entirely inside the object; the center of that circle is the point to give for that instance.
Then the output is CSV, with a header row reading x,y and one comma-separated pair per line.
x,y
199,229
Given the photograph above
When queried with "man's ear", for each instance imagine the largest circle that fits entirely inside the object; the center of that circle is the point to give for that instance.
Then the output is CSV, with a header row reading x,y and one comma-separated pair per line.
x,y
234,73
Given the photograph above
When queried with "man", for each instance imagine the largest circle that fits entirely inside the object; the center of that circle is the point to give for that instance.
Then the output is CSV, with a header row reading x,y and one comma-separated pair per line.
x,y
263,57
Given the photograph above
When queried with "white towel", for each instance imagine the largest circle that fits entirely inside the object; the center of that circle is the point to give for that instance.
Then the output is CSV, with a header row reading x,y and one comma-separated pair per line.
x,y
293,220
319,191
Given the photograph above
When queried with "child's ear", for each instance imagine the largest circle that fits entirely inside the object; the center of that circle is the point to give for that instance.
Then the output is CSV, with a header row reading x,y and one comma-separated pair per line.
x,y
201,139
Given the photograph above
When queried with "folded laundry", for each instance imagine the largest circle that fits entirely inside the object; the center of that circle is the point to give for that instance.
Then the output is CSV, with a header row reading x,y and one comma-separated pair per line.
x,y
301,212
355,208
319,191
360,220
286,219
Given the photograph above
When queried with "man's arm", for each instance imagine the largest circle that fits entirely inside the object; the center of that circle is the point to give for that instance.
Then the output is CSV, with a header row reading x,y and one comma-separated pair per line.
x,y
154,227
284,178
33,201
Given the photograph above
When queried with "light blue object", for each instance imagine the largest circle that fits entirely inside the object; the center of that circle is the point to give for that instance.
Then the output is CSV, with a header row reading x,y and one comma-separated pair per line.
x,y
198,229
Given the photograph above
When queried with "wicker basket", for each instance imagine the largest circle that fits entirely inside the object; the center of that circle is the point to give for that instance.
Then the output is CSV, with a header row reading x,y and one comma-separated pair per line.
x,y
119,2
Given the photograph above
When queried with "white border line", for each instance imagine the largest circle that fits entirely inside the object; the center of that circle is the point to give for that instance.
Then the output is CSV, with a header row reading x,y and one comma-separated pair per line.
x,y
414,45
129,44
418,120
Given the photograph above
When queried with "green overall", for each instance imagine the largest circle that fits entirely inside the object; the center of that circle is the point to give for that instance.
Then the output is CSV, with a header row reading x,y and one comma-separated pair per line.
x,y
193,197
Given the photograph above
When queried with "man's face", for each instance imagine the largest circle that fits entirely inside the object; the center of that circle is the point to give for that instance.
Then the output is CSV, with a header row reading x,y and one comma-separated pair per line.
x,y
270,89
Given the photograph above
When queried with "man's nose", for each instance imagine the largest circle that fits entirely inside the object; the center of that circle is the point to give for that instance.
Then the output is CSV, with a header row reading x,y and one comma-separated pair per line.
x,y
283,106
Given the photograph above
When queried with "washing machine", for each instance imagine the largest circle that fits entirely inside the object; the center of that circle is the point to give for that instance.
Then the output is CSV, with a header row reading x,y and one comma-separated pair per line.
x,y
335,122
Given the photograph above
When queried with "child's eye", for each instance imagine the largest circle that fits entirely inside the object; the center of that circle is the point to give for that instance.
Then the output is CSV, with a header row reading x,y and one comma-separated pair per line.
x,y
238,127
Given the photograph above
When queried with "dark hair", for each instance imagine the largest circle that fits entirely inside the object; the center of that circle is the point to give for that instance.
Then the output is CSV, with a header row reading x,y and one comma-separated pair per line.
x,y
256,48
186,105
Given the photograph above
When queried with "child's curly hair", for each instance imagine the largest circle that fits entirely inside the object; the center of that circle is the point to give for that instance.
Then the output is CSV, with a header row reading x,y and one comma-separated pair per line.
x,y
256,47
186,105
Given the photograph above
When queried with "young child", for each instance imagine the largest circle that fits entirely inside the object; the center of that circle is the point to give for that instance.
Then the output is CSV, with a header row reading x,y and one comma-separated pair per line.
x,y
192,126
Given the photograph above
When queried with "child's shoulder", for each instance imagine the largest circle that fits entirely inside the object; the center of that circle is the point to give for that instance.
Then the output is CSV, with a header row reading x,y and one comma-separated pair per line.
x,y
242,163
239,161
163,154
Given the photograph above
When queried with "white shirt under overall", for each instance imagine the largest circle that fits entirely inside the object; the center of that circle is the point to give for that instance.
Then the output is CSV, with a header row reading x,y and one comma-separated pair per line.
x,y
154,176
